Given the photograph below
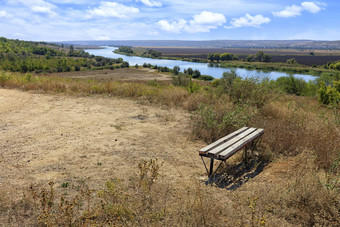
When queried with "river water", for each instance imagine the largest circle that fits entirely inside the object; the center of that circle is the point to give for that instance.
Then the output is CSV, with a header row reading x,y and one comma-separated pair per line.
x,y
204,68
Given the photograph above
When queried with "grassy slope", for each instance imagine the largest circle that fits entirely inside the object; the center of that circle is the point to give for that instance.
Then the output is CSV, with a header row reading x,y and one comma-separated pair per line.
x,y
298,129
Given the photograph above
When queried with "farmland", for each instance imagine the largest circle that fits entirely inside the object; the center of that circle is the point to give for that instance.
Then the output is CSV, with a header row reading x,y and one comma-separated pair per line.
x,y
303,57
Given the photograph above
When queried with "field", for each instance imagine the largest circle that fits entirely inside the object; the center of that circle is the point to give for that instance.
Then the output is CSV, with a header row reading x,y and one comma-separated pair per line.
x,y
278,55
84,152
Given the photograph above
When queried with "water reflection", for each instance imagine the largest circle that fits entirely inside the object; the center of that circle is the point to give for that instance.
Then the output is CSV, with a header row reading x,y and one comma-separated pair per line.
x,y
205,68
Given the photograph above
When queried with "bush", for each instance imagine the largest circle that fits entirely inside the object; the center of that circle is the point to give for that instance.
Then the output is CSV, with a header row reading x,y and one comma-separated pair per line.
x,y
77,68
4,77
329,94
206,78
180,80
211,122
292,85
248,91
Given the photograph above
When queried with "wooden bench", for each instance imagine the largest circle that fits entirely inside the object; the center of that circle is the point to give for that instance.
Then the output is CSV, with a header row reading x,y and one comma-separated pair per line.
x,y
227,146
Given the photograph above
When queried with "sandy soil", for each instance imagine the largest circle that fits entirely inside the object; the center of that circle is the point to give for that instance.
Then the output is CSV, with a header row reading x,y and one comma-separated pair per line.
x,y
121,74
61,138
68,139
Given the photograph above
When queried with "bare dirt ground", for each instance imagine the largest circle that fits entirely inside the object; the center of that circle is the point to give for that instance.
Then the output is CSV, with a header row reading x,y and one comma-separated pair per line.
x,y
60,138
121,74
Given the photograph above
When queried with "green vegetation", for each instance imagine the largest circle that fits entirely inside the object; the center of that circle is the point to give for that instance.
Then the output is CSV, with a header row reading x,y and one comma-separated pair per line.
x,y
259,57
221,57
281,67
125,49
129,51
23,56
333,65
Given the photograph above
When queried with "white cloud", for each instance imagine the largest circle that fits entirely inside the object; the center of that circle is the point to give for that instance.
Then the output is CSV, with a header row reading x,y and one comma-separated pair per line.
x,y
175,27
3,13
112,9
294,10
151,3
202,22
40,6
248,21
289,11
209,18
312,7
77,2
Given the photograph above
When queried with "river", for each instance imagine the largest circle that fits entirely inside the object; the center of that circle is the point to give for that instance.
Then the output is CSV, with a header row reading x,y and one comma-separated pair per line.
x,y
204,68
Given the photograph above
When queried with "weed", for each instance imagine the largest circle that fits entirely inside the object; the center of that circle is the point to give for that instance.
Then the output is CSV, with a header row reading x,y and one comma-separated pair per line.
x,y
64,184
148,173
118,127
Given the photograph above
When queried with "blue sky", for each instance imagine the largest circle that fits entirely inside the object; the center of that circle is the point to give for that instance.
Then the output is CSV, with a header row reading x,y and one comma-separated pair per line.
x,y
61,20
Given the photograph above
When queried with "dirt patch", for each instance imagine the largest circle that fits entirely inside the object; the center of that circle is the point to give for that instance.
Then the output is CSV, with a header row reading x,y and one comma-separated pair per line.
x,y
120,74
60,138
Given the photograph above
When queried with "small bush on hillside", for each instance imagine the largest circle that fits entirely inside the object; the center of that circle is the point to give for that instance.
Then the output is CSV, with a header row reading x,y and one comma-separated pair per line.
x,y
292,85
4,77
210,122
193,86
206,78
248,91
330,94
180,80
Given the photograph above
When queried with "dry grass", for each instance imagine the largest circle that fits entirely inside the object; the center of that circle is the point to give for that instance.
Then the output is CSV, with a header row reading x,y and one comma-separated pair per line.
x,y
301,139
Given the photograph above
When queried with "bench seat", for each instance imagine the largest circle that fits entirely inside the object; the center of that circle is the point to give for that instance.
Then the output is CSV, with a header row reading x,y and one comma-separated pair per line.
x,y
227,146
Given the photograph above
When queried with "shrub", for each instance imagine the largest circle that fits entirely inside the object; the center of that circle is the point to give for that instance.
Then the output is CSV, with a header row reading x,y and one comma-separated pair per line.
x,y
180,80
249,91
193,86
211,122
77,68
292,85
4,77
292,61
206,78
329,94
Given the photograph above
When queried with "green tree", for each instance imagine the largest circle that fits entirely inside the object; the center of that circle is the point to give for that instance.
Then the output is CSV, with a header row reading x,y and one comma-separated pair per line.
x,y
211,57
292,61
176,70
196,74
190,71
226,57
217,57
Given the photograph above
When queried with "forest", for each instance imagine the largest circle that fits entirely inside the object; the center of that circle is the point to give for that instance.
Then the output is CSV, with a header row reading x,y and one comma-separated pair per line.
x,y
40,57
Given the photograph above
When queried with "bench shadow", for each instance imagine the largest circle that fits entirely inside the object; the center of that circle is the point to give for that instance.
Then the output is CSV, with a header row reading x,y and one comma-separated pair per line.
x,y
232,177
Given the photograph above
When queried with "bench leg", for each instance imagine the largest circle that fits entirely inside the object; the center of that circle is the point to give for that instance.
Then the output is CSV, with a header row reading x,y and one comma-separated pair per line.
x,y
246,155
211,166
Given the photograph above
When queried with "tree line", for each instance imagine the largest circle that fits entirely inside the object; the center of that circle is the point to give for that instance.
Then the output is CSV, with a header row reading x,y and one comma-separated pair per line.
x,y
24,56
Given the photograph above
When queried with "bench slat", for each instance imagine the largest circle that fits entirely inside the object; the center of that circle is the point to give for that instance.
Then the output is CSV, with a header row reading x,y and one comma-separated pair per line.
x,y
230,142
218,142
240,144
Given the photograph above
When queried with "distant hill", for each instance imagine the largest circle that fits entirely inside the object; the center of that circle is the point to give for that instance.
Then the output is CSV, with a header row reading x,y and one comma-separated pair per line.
x,y
261,44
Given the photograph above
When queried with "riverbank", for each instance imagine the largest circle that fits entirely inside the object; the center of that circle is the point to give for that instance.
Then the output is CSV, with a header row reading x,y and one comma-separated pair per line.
x,y
265,66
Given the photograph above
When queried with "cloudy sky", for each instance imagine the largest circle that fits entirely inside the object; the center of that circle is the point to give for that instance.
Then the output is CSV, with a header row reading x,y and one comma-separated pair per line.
x,y
61,20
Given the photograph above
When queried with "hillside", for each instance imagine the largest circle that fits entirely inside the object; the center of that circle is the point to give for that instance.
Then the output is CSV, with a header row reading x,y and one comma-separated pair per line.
x,y
38,57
